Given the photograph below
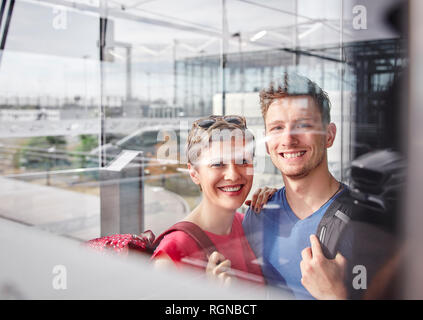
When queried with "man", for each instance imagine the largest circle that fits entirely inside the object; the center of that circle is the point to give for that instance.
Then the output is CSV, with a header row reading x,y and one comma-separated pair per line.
x,y
298,133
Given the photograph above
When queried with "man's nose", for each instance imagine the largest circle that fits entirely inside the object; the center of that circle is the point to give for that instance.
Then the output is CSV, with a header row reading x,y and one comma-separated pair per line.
x,y
289,137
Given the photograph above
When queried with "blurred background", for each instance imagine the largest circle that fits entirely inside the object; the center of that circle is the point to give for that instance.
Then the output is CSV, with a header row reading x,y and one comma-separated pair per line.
x,y
97,96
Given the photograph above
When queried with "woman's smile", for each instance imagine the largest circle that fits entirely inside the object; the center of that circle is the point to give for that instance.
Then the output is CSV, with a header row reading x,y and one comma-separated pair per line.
x,y
232,190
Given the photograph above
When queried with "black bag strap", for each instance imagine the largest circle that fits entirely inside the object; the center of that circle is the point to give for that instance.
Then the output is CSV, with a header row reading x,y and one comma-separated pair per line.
x,y
194,231
333,223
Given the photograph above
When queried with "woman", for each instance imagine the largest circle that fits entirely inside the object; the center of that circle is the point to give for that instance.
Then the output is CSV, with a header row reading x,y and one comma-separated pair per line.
x,y
220,154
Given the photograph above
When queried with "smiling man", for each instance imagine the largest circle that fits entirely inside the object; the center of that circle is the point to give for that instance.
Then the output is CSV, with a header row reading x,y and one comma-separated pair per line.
x,y
298,134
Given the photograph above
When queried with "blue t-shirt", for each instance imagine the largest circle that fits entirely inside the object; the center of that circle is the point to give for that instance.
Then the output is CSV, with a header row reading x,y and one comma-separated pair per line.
x,y
277,237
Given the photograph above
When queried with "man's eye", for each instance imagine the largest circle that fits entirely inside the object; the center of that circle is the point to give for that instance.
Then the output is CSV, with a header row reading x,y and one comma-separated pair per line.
x,y
303,125
276,128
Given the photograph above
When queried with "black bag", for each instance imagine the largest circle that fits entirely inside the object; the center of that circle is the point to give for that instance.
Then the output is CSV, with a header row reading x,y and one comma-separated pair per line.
x,y
334,222
345,210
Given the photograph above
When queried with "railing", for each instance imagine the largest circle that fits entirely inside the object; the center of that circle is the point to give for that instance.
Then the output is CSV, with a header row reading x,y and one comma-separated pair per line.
x,y
121,192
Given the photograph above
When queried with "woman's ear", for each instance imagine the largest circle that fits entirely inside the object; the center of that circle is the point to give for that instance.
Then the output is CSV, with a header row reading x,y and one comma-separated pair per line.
x,y
193,173
330,134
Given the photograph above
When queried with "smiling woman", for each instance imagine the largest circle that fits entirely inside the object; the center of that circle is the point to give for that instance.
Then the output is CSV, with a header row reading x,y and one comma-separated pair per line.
x,y
220,154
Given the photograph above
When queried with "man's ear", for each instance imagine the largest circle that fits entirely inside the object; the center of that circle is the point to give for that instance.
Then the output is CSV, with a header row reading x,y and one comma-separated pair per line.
x,y
265,142
267,147
193,173
330,134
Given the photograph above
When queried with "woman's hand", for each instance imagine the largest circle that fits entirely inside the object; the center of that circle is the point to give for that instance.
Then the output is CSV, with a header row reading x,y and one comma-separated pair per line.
x,y
260,198
218,268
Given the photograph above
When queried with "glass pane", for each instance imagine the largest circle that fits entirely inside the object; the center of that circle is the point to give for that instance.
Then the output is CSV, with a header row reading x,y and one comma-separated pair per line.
x,y
97,99
156,68
49,79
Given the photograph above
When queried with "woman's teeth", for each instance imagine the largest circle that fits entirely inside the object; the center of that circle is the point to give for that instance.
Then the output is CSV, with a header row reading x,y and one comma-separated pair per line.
x,y
231,189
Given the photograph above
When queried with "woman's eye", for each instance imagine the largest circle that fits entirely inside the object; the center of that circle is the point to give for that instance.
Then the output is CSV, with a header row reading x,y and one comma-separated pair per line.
x,y
216,164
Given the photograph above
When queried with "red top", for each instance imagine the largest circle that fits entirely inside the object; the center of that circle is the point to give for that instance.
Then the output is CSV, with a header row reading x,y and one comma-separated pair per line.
x,y
182,249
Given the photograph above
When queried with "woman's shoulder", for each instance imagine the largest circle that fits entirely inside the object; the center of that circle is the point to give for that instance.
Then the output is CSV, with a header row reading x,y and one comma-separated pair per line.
x,y
176,245
239,217
237,225
177,239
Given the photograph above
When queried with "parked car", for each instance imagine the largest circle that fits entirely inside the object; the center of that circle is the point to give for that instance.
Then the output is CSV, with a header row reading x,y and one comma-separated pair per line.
x,y
378,180
148,140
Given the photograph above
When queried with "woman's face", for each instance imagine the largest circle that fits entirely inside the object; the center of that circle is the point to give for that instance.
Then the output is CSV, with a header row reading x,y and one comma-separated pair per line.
x,y
225,173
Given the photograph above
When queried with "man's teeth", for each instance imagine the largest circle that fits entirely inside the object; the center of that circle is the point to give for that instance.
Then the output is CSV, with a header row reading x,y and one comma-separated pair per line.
x,y
293,155
231,189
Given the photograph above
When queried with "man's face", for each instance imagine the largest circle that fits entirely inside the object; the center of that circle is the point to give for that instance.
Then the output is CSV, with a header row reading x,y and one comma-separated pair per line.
x,y
296,138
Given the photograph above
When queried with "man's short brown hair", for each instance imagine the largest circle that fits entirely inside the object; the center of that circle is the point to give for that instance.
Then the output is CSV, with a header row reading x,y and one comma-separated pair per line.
x,y
292,85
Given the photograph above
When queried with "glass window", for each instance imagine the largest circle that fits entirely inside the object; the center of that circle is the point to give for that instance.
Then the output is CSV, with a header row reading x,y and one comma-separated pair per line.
x,y
84,84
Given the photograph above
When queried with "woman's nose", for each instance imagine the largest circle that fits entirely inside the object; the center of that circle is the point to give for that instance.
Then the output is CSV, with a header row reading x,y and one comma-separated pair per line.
x,y
231,172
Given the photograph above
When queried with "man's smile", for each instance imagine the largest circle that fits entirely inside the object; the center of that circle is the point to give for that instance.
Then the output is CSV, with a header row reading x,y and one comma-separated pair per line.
x,y
292,154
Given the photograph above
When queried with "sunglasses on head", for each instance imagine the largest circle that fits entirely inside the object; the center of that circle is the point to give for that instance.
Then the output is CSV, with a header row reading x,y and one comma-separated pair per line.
x,y
207,123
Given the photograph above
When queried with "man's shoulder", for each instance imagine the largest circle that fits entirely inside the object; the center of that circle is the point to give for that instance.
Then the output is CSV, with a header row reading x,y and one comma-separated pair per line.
x,y
273,205
343,201
277,196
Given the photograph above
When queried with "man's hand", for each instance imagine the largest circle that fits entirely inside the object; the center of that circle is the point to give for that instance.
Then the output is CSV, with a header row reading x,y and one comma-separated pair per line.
x,y
322,277
260,198
218,268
